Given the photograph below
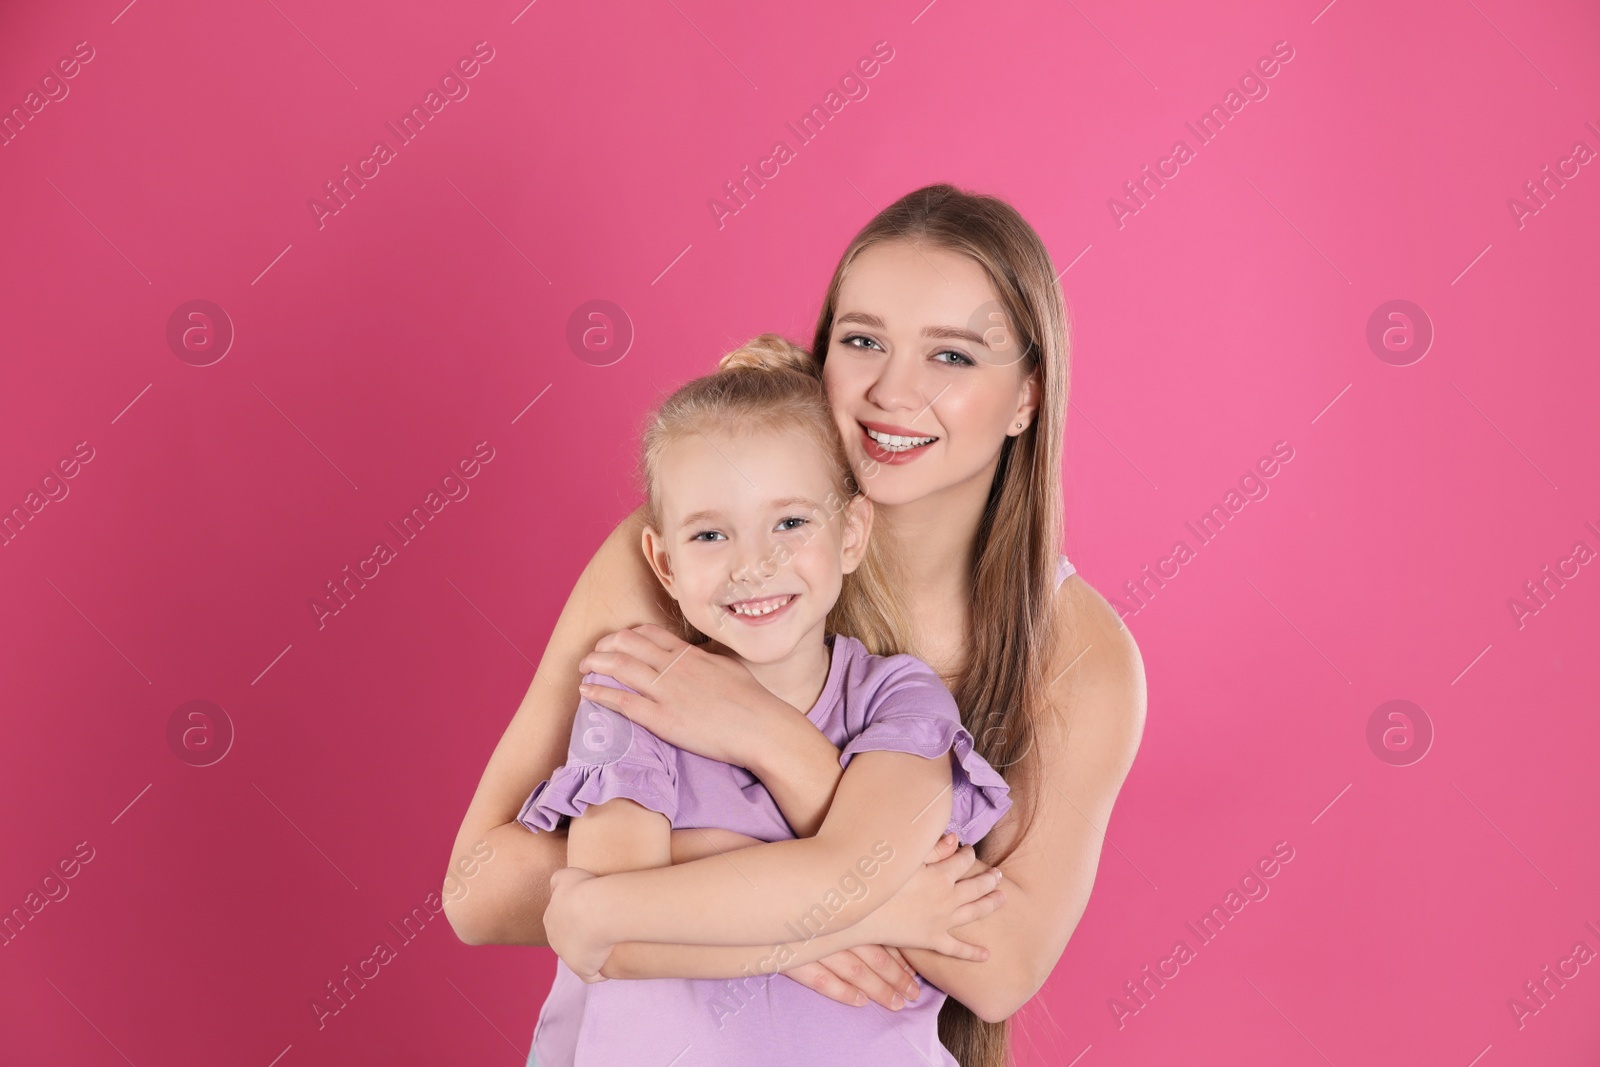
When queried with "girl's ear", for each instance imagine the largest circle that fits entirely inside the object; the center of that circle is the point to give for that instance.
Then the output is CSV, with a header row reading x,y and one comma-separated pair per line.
x,y
655,553
1027,404
856,530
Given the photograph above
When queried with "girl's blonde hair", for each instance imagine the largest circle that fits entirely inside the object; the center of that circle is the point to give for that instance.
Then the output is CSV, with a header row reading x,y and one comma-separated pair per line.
x,y
770,385
1002,688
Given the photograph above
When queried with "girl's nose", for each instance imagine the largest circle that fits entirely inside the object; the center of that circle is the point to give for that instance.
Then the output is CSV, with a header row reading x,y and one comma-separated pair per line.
x,y
753,566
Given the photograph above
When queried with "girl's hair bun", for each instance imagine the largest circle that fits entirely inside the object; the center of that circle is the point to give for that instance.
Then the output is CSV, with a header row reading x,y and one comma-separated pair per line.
x,y
770,351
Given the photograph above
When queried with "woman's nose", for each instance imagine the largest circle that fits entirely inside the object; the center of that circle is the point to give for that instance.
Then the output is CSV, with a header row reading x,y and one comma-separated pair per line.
x,y
897,387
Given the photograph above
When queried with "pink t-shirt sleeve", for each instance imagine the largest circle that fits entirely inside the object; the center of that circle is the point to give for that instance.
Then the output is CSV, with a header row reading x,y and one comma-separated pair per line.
x,y
608,756
915,713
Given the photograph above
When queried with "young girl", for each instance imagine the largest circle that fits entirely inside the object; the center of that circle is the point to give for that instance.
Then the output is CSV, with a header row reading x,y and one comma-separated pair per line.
x,y
755,522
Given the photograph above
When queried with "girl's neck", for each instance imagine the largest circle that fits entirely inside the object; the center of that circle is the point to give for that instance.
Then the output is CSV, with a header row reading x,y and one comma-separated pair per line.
x,y
798,678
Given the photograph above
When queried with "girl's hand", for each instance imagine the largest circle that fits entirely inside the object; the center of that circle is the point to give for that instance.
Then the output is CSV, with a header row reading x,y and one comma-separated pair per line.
x,y
708,704
943,894
881,973
567,929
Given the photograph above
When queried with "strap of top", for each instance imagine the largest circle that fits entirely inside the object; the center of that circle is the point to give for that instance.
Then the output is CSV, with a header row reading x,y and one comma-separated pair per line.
x,y
1064,569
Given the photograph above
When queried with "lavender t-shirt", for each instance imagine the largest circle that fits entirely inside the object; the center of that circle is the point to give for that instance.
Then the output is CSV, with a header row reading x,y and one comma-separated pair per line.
x,y
868,703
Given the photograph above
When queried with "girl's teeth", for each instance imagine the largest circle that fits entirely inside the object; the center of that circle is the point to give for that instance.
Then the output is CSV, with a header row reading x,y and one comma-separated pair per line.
x,y
896,443
764,607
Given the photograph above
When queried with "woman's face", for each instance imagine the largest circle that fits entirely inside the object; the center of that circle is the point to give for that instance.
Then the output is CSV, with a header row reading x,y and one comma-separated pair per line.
x,y
923,371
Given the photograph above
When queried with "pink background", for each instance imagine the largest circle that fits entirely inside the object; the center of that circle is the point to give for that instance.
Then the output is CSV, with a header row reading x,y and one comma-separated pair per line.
x,y
374,351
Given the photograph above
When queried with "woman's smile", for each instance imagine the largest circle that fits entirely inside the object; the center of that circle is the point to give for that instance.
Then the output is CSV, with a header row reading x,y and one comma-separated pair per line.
x,y
886,443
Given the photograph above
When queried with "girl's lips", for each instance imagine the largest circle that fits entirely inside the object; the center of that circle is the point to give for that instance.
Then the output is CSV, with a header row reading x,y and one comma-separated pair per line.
x,y
883,455
762,620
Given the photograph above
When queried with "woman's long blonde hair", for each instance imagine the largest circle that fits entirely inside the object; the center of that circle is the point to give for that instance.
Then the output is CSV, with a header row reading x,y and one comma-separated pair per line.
x,y
1002,686
770,385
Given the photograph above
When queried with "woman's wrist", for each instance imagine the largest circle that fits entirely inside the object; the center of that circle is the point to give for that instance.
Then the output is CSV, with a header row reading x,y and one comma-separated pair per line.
x,y
800,768
792,747
769,725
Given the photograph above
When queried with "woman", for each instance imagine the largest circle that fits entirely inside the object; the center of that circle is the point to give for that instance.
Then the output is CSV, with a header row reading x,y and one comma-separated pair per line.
x,y
942,344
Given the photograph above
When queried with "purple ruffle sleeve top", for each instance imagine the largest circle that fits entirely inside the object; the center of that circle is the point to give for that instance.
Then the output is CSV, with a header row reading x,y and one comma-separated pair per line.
x,y
868,703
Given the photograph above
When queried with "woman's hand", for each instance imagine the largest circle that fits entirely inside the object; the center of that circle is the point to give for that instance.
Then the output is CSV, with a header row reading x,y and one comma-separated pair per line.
x,y
696,700
567,924
856,975
943,894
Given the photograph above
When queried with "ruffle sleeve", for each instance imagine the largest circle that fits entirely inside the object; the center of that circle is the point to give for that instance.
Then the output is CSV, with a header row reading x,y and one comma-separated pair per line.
x,y
575,786
979,795
608,757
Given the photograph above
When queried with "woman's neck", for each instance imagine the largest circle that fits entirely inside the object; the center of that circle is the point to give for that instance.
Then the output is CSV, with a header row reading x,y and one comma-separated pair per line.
x,y
933,541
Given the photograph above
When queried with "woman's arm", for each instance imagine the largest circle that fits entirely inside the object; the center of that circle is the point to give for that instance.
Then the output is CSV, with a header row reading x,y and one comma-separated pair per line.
x,y
712,705
890,809
1101,698
503,901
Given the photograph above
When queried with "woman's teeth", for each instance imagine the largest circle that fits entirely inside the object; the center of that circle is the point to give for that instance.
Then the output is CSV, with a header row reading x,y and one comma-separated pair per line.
x,y
896,443
760,607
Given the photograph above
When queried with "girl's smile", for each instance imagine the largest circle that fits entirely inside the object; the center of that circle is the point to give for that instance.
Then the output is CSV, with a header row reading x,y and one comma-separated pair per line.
x,y
761,612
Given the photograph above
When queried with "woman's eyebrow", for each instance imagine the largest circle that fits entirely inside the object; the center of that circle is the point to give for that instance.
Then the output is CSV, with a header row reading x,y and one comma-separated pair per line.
x,y
954,333
863,317
944,333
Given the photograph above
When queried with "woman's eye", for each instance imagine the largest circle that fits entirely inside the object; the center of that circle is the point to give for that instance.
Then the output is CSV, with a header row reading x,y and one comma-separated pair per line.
x,y
851,339
796,519
961,360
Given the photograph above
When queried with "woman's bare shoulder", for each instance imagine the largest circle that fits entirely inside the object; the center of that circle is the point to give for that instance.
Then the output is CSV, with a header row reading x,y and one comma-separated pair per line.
x,y
1097,681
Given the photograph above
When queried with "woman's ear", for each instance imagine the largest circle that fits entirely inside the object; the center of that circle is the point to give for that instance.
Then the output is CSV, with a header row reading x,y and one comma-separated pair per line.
x,y
655,553
856,531
1027,404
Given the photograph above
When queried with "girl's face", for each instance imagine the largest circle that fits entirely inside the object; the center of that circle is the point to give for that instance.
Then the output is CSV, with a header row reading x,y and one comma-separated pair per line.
x,y
754,540
923,371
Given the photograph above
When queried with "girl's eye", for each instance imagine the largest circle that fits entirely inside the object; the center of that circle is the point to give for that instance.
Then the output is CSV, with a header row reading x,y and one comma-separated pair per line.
x,y
705,534
797,519
963,361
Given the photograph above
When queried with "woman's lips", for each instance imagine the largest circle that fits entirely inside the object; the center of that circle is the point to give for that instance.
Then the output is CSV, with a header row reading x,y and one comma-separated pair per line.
x,y
877,452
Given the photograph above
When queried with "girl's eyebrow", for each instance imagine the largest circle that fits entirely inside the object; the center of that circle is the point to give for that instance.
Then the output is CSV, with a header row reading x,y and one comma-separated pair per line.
x,y
944,333
772,505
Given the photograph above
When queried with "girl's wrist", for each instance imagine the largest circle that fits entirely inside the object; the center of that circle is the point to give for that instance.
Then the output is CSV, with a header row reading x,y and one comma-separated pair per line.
x,y
590,914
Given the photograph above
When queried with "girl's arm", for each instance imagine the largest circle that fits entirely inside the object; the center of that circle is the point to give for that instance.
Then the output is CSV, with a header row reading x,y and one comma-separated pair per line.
x,y
619,835
890,809
498,880
497,884
940,887
622,835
